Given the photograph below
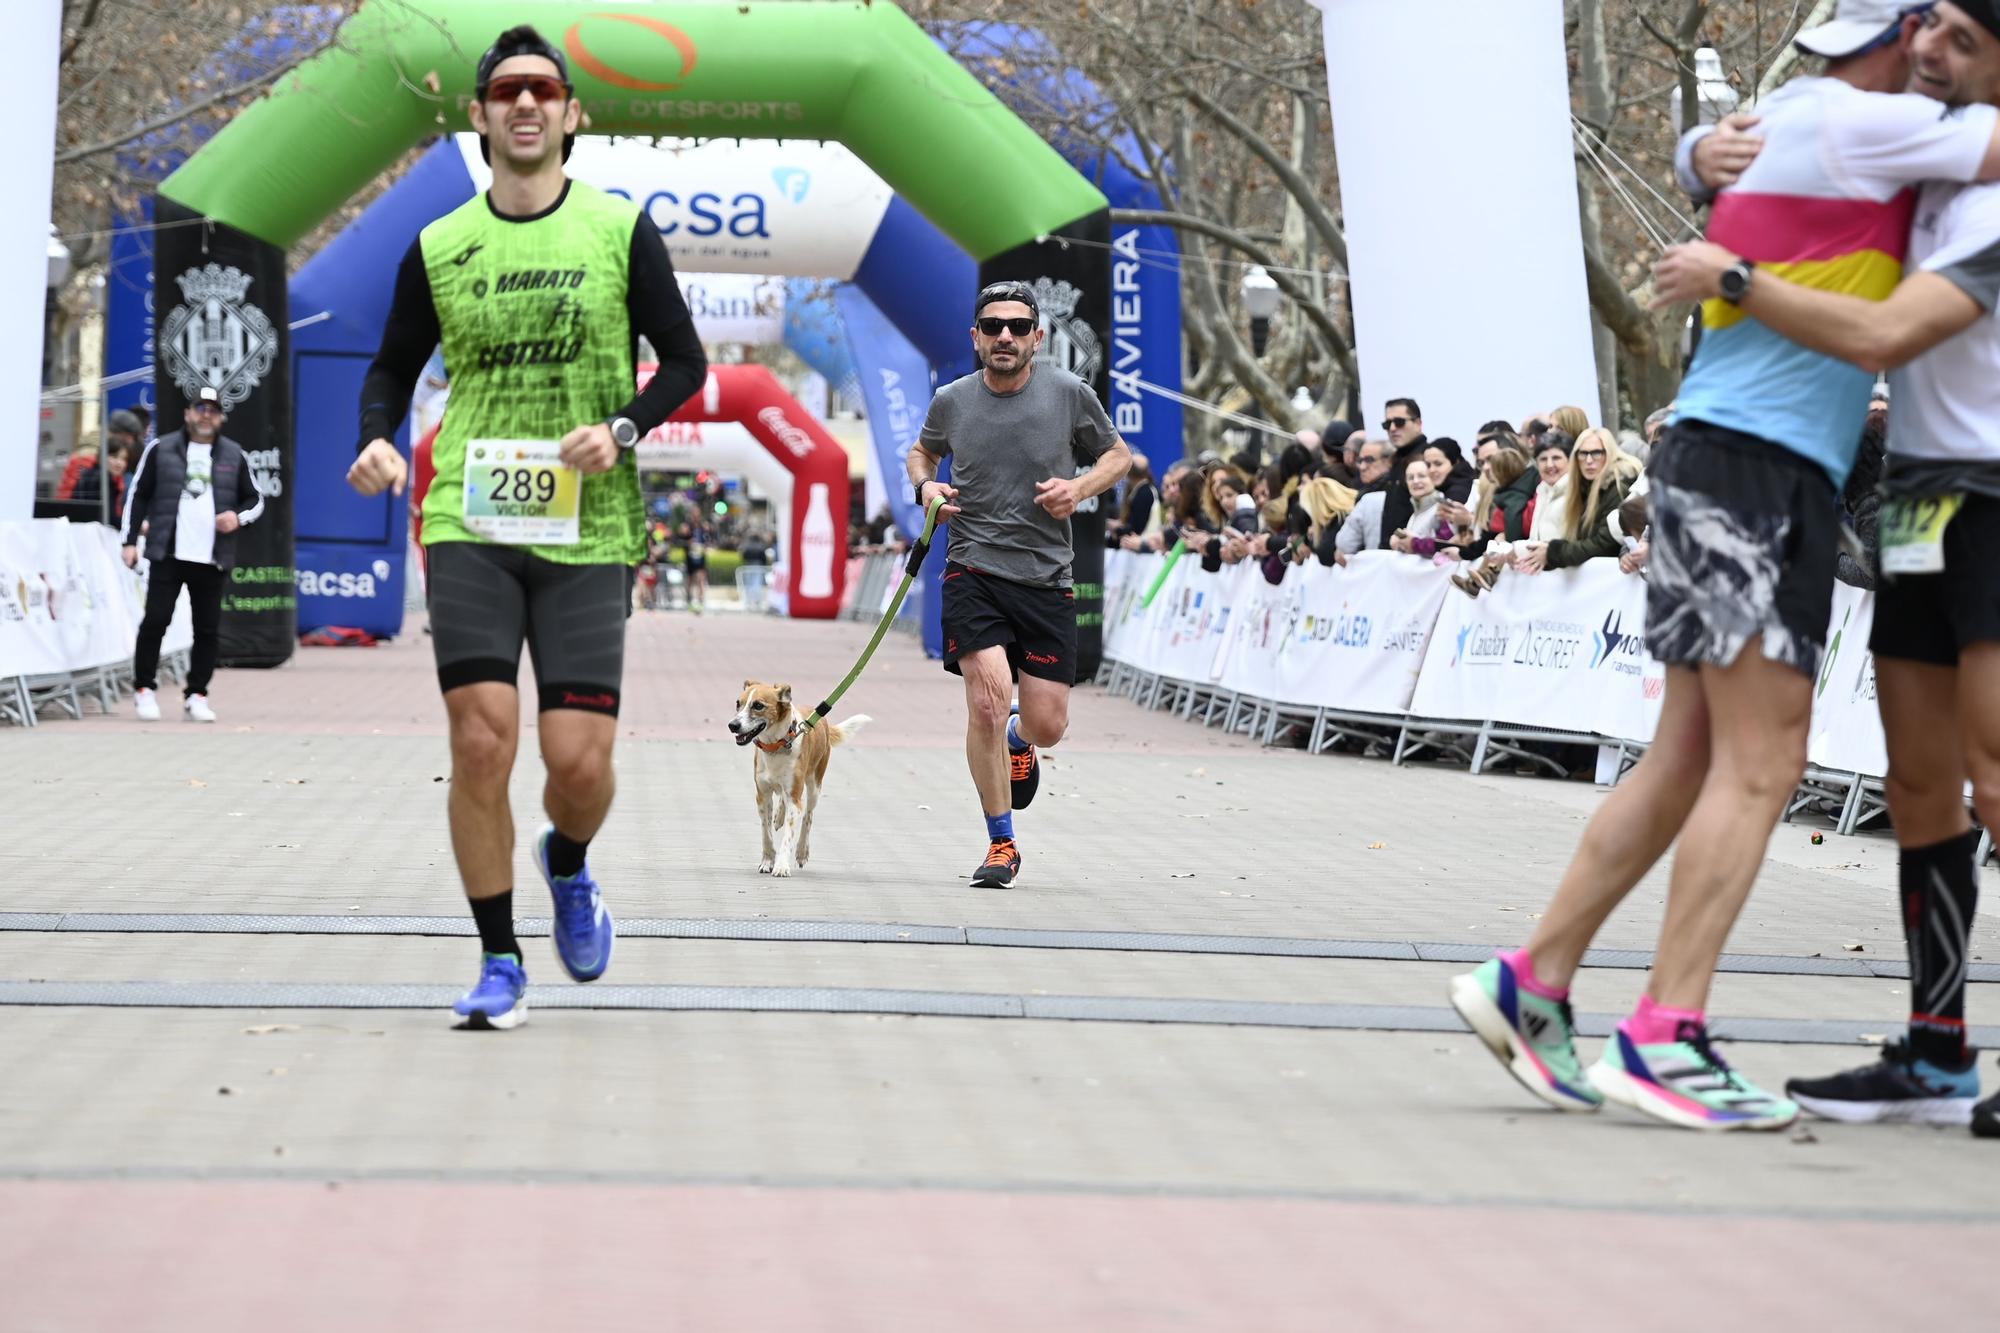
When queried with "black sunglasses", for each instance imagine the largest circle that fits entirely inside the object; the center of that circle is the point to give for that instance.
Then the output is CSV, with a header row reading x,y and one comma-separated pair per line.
x,y
1397,423
204,406
1020,328
1588,453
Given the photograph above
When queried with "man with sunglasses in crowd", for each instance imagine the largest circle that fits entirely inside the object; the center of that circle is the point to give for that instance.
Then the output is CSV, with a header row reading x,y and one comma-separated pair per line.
x,y
537,290
1936,629
1016,432
192,493
1404,421
1740,566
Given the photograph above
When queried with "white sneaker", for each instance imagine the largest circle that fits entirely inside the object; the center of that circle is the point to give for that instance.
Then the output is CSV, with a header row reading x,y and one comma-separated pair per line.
x,y
148,705
198,709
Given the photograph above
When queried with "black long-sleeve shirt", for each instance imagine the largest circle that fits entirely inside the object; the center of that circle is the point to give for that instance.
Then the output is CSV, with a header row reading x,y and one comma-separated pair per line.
x,y
653,304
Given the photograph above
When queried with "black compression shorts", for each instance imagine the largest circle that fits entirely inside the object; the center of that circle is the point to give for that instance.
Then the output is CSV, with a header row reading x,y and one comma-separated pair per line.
x,y
487,600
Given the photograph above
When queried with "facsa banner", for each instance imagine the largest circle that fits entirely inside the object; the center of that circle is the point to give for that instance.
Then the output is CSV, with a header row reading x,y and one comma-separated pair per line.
x,y
1562,650
796,208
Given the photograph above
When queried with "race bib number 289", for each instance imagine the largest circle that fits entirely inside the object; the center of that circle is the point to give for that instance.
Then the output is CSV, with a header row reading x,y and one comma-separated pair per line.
x,y
518,492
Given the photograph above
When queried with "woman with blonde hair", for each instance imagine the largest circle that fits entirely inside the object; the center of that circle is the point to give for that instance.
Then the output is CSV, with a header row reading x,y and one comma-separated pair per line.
x,y
1573,421
1214,479
1600,476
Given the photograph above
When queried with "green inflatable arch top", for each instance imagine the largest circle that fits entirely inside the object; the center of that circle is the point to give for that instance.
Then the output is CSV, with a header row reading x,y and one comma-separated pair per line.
x,y
860,73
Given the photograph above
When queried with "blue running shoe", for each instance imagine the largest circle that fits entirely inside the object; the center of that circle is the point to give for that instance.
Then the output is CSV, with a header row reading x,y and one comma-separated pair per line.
x,y
582,928
500,1000
1900,1086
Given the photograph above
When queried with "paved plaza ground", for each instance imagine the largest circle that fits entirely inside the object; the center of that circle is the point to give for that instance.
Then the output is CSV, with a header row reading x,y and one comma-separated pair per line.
x,y
1196,1072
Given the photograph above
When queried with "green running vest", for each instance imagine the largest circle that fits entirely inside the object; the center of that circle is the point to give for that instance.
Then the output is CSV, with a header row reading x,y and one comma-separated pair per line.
x,y
537,341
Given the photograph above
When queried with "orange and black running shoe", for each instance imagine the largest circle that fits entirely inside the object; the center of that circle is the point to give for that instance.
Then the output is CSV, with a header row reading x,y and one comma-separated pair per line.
x,y
1025,771
1002,864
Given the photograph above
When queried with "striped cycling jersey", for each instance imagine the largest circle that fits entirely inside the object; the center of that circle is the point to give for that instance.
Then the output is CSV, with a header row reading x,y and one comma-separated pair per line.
x,y
1827,204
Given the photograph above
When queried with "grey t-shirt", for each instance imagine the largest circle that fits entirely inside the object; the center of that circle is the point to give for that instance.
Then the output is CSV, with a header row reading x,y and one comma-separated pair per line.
x,y
1001,445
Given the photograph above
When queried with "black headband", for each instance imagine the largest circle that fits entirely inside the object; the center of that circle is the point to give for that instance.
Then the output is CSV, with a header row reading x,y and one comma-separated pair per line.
x,y
520,41
1006,291
1983,12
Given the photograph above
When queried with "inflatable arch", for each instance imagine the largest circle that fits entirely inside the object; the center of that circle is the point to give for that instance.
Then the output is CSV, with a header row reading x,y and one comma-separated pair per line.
x,y
863,74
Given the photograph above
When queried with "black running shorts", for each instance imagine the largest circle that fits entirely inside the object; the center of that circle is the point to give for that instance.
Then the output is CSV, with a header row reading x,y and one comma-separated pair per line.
x,y
1743,541
487,600
1036,625
1935,617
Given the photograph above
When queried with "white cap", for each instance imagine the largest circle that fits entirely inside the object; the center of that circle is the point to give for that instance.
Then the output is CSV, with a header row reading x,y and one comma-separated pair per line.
x,y
1855,24
1246,504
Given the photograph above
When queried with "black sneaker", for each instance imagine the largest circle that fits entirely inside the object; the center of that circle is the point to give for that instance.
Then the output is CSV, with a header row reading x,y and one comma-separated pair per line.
x,y
1899,1087
1002,864
1025,771
1986,1118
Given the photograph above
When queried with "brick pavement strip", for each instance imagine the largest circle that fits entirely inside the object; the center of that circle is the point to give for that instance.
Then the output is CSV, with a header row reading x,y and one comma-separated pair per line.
x,y
1222,1164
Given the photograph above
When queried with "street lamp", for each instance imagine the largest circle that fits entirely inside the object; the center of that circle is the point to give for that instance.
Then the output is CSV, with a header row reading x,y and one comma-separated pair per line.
x,y
1714,98
1260,302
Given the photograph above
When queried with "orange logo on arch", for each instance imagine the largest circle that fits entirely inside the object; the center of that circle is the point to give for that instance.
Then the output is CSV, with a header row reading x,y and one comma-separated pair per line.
x,y
594,66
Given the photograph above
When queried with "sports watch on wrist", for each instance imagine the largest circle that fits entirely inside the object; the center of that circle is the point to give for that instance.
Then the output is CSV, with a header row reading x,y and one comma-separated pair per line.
x,y
1735,281
624,432
919,490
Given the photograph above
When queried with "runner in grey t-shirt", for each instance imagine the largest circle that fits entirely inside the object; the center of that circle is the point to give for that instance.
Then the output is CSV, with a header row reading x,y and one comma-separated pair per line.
x,y
1016,434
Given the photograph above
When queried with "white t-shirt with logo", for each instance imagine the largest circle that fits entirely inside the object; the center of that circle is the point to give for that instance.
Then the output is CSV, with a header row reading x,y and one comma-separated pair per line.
x,y
1944,422
194,528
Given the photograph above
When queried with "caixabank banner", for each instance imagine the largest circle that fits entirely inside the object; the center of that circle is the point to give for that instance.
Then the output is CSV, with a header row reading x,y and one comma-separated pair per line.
x,y
221,313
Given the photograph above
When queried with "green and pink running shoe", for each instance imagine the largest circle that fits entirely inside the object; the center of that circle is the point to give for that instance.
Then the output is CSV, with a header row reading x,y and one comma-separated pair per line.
x,y
1685,1082
1535,1038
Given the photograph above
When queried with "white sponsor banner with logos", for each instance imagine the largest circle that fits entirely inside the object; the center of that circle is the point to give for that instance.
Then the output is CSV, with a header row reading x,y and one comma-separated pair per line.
x,y
67,602
1355,637
1386,634
1846,725
1561,650
786,206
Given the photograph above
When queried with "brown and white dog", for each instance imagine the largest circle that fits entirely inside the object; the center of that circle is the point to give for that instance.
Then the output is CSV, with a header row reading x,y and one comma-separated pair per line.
x,y
789,768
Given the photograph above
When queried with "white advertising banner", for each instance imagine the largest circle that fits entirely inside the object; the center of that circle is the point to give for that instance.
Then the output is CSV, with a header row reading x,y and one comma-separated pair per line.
x,y
1560,650
1423,177
1846,723
1355,637
1387,635
793,207
35,37
67,602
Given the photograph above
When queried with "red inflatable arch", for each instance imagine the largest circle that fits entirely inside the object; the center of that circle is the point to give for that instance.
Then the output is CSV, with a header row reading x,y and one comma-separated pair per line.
x,y
752,396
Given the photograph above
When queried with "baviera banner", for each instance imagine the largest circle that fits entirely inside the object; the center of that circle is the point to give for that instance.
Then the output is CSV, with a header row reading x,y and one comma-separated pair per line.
x,y
222,314
1072,284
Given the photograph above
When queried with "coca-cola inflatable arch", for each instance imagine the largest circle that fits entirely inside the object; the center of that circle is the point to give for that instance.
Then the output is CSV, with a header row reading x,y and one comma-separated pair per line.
x,y
813,548
814,551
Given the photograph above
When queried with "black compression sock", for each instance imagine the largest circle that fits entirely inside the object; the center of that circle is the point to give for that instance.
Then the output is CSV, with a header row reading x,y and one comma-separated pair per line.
x,y
1940,888
495,919
565,856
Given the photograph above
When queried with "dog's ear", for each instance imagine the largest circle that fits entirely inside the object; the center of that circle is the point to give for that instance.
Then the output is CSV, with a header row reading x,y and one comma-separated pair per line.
x,y
749,684
784,694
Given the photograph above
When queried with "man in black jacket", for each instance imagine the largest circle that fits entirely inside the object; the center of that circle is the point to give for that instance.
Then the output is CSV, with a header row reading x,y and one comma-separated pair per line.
x,y
1404,421
191,493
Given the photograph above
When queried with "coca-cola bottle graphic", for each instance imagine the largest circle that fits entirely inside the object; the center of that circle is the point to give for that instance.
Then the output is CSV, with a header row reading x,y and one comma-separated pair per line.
x,y
816,545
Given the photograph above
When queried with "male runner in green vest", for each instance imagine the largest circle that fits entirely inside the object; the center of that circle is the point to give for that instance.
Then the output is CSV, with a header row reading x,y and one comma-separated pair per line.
x,y
536,290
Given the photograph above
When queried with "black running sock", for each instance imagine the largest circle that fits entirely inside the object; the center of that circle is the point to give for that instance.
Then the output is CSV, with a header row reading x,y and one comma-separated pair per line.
x,y
495,918
565,857
1940,887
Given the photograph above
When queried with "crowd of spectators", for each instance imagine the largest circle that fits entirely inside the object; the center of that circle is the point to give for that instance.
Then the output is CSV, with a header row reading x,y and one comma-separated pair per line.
x,y
1550,493
91,473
